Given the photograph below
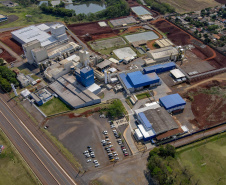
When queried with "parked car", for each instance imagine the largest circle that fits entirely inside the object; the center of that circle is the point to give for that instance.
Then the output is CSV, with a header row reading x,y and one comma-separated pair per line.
x,y
112,126
106,148
85,152
88,147
110,146
89,160
117,158
95,161
123,149
126,154
115,154
96,165
112,149
107,139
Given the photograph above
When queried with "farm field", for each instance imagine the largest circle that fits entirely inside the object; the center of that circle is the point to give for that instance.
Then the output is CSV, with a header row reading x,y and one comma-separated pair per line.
x,y
205,160
182,6
19,16
13,170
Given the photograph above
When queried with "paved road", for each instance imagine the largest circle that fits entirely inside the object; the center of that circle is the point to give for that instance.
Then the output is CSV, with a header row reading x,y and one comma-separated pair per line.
x,y
57,159
42,163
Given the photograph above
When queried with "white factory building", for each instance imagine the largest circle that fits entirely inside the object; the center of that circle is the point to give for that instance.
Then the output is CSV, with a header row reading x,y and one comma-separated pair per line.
x,y
31,33
163,54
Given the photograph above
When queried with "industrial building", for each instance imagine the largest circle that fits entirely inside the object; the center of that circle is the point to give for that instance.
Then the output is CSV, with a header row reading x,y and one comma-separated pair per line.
x,y
172,103
3,18
85,76
123,21
159,68
164,43
25,80
73,93
154,122
136,81
41,97
36,54
163,54
177,75
142,13
103,65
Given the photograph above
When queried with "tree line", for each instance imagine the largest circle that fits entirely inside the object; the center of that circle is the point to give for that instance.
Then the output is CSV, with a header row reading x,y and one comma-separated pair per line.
x,y
164,167
160,7
6,78
115,8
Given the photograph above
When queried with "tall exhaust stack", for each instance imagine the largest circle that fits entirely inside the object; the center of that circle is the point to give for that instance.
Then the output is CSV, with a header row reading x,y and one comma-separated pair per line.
x,y
105,77
14,89
109,77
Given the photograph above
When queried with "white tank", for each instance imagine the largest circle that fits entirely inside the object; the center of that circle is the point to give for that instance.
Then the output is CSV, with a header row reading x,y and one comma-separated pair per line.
x,y
105,77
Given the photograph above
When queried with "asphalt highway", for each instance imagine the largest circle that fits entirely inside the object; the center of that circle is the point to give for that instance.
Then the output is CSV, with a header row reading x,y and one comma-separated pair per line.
x,y
40,160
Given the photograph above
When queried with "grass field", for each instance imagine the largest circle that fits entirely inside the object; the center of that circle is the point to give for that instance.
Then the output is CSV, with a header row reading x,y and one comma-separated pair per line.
x,y
206,160
182,6
36,16
54,106
13,169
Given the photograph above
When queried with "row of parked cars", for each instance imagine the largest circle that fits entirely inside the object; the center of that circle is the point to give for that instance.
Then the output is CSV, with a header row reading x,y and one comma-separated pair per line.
x,y
109,148
89,153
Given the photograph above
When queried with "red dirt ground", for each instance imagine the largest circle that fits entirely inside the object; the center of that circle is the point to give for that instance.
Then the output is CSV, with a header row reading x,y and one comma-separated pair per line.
x,y
6,56
132,3
93,29
208,109
180,37
221,1
6,38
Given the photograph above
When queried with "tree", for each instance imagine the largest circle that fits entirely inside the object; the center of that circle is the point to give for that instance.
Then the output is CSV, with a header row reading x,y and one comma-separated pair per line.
x,y
2,62
170,150
116,109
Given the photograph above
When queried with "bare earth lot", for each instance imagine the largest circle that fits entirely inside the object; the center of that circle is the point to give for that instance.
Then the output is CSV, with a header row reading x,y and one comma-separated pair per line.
x,y
108,43
78,133
182,6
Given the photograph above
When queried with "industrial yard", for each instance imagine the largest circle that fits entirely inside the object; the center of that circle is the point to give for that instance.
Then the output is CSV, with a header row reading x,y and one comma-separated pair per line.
x,y
73,78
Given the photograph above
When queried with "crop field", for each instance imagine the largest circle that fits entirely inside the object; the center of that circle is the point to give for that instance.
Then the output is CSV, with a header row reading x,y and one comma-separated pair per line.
x,y
182,6
205,160
13,170
107,43
20,19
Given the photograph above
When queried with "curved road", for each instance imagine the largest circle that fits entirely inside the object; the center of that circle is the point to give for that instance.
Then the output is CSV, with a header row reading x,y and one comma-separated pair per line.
x,y
40,160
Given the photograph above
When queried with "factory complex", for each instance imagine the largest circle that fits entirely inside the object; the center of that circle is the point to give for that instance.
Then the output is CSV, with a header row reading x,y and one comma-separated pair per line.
x,y
77,76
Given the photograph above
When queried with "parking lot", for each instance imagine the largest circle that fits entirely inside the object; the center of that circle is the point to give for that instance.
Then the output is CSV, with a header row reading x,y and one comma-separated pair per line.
x,y
76,134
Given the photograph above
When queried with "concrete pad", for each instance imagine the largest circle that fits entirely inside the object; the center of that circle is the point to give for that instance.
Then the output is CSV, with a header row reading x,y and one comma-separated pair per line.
x,y
124,53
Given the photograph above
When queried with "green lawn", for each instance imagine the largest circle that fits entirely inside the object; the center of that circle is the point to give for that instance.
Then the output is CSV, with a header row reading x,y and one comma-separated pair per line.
x,y
36,16
54,106
13,169
206,160
143,96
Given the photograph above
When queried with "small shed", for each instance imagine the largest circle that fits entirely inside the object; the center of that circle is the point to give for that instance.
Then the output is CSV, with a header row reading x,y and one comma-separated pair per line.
x,y
177,74
103,65
138,134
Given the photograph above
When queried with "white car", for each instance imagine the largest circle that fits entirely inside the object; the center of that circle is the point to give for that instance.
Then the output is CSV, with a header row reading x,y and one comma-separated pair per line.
x,y
114,130
112,126
124,149
109,142
89,160
119,143
107,139
95,161
85,152
115,154
119,140
96,165
117,158
103,141
87,156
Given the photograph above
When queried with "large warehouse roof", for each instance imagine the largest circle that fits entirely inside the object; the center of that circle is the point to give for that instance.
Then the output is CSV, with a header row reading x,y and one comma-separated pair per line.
x,y
139,10
160,120
163,52
172,101
159,68
139,79
31,33
120,22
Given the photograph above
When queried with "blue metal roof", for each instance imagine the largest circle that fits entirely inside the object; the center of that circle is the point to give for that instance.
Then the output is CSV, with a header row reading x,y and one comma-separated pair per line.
x,y
125,81
147,124
172,101
159,68
139,79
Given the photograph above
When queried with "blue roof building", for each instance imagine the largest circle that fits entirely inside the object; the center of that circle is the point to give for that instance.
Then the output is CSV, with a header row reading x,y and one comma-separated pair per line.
x,y
172,102
160,68
85,76
137,80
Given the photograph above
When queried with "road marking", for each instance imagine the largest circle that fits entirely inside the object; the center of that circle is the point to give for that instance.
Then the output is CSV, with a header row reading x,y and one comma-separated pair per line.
x,y
38,143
